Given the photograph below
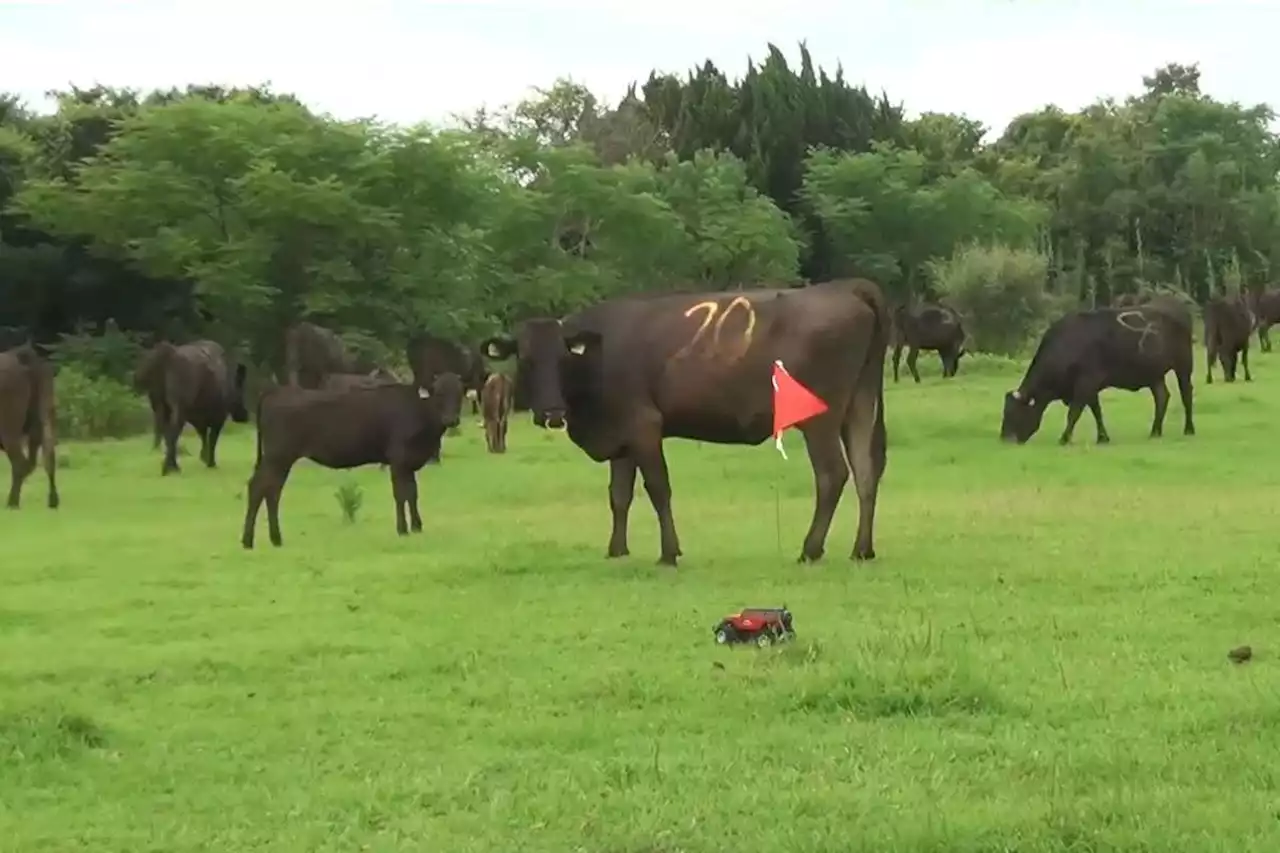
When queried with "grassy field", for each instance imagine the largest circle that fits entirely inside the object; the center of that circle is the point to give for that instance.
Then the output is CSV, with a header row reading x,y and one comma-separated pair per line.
x,y
1037,661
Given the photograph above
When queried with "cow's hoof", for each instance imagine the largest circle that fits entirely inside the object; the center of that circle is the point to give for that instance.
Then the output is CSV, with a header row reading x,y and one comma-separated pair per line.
x,y
11,505
1189,431
623,551
863,554
1104,439
668,560
813,556
247,544
416,528
402,531
54,501
276,541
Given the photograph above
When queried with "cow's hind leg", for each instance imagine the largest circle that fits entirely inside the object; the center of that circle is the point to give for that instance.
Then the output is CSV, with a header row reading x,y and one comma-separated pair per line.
x,y
1160,395
897,359
1244,361
1183,375
19,468
173,430
41,441
652,463
622,489
830,473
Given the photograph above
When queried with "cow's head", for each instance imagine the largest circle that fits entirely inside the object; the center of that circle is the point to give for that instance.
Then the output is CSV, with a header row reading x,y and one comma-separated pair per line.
x,y
150,371
1022,417
554,362
235,405
446,393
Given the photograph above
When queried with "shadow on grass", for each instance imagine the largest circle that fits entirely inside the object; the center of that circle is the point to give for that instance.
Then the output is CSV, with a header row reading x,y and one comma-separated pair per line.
x,y
46,734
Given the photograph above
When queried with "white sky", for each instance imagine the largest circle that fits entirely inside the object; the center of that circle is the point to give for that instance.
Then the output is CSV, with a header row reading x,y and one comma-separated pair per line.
x,y
412,61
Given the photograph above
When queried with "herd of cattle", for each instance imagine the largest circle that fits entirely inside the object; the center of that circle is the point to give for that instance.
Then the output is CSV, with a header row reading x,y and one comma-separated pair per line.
x,y
625,374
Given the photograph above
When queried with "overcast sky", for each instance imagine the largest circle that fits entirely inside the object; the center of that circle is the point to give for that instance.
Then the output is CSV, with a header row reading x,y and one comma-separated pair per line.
x,y
411,61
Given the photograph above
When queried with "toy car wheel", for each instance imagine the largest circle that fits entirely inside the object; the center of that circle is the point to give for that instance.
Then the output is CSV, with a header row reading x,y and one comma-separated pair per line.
x,y
764,640
722,636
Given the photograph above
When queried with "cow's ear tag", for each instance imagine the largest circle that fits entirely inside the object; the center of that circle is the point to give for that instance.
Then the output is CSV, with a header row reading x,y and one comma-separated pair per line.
x,y
424,393
578,349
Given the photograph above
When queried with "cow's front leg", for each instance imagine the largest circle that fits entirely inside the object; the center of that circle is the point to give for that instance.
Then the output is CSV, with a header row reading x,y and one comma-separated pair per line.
x,y
1095,406
400,492
1074,410
622,489
912,355
657,483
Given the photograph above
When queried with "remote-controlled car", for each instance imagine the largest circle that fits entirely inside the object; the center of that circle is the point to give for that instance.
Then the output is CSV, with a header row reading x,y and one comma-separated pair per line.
x,y
763,626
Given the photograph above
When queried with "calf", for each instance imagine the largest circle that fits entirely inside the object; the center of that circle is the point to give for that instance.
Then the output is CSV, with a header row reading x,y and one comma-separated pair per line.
x,y
495,404
191,384
399,425
27,416
1228,322
627,373
927,327
1086,351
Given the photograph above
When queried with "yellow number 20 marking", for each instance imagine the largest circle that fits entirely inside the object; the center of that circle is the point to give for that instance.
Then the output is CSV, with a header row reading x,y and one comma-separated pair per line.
x,y
711,309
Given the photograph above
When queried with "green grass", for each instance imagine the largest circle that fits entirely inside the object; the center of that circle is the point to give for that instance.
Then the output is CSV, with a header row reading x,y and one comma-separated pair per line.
x,y
1037,661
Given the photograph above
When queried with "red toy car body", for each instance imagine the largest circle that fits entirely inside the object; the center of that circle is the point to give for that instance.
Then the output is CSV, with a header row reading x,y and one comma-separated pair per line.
x,y
762,625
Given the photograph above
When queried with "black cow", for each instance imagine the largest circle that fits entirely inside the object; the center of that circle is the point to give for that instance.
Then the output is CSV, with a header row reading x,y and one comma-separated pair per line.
x,y
927,327
1228,323
1086,351
195,384
629,372
431,355
312,352
1265,305
345,381
28,413
399,425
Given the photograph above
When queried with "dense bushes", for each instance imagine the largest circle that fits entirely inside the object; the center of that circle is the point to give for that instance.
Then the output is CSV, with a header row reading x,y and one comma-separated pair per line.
x,y
98,406
1000,292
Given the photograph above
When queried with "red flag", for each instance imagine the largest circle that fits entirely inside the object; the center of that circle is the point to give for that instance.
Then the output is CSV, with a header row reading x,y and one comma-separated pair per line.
x,y
792,404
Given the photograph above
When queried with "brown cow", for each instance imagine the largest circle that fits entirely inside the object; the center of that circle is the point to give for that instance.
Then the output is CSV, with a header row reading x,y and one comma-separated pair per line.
x,y
930,327
312,352
1228,323
1086,351
627,373
1265,305
28,413
195,384
495,404
400,425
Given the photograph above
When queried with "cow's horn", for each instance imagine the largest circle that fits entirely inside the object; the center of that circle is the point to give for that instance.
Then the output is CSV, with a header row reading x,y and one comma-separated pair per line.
x,y
578,349
1015,394
424,393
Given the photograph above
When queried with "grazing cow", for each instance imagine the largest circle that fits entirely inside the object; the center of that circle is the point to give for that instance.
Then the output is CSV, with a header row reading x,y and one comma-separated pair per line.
x,y
399,425
27,417
1265,305
1228,322
627,373
312,352
195,384
345,381
430,355
927,327
1086,351
495,404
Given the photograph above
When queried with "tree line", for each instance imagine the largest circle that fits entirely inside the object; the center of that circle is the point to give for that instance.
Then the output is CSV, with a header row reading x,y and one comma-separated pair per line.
x,y
231,213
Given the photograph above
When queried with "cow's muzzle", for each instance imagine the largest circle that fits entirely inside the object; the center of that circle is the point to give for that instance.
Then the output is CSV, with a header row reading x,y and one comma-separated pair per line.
x,y
551,419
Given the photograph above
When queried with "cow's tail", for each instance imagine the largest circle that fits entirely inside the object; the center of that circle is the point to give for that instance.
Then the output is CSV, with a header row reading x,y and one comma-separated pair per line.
x,y
874,298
